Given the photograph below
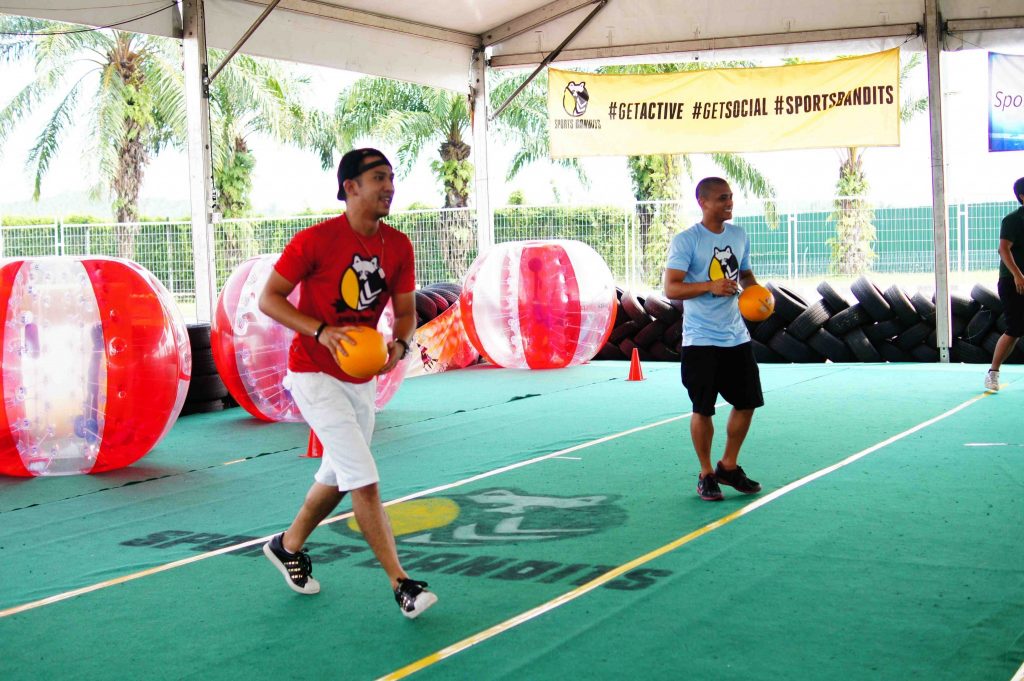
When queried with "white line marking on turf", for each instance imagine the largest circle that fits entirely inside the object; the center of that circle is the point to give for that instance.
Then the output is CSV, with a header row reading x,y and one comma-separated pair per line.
x,y
228,549
569,596
570,458
1019,676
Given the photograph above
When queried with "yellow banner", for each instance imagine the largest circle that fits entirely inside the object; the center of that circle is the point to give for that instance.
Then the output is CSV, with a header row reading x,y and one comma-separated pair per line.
x,y
851,102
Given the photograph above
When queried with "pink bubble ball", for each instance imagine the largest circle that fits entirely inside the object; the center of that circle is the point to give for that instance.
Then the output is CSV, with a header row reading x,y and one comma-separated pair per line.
x,y
538,304
96,364
250,349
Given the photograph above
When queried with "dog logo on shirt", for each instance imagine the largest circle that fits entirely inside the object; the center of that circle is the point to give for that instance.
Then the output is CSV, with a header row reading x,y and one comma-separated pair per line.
x,y
724,265
361,285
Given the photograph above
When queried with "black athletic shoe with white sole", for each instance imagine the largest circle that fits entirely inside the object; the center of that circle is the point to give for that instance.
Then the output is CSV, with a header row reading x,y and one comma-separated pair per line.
x,y
413,598
708,489
296,567
737,479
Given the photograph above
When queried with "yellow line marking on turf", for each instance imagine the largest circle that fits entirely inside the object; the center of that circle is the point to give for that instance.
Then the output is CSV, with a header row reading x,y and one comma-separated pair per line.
x,y
569,596
228,549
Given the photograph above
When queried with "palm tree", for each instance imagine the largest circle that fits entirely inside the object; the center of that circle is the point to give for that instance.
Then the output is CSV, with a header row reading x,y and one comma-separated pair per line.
x,y
137,102
852,244
417,117
249,96
135,85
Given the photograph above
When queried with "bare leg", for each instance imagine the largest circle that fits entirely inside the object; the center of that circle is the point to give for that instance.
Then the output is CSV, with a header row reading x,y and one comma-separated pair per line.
x,y
1004,346
375,526
702,431
736,433
320,501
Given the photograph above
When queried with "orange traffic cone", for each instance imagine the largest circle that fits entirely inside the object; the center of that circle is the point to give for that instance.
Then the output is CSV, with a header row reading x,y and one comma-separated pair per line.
x,y
315,450
635,372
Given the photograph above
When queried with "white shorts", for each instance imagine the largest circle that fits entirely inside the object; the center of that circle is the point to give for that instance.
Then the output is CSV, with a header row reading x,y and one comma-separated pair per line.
x,y
342,416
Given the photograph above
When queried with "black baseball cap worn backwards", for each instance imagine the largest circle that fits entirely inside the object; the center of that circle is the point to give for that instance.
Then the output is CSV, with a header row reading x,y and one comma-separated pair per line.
x,y
353,164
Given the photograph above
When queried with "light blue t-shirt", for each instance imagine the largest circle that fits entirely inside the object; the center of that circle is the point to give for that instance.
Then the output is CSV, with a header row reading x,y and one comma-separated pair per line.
x,y
706,256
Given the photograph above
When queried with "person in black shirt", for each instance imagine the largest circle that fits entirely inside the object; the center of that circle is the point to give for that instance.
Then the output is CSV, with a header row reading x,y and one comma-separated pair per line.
x,y
1011,285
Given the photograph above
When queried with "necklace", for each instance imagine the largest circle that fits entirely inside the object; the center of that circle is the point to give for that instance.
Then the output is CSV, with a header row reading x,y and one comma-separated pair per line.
x,y
366,249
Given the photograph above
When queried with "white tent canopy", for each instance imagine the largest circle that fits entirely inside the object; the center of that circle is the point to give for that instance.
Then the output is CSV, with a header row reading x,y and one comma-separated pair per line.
x,y
432,42
450,43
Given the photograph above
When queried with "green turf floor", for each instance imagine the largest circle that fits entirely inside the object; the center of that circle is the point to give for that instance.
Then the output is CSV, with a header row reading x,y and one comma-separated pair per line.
x,y
906,563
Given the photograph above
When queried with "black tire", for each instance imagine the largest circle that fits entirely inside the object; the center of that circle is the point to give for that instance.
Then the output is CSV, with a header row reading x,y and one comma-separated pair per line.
x,y
861,347
871,299
448,286
440,302
202,362
989,344
662,353
650,334
914,336
963,307
623,331
765,355
830,347
923,353
925,308
882,331
836,303
202,407
901,305
449,296
788,305
809,321
659,307
425,308
983,321
986,298
610,352
673,333
198,335
634,309
627,346
764,331
890,352
792,349
847,320
969,353
206,388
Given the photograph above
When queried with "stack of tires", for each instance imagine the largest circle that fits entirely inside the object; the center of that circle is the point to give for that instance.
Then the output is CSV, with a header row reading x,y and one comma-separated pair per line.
x,y
206,390
876,326
434,300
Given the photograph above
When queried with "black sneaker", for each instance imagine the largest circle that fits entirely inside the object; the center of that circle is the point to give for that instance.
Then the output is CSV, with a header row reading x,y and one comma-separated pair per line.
x,y
413,598
737,479
708,489
296,567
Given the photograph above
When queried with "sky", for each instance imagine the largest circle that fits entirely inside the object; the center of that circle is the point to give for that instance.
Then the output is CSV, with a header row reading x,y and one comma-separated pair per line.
x,y
288,181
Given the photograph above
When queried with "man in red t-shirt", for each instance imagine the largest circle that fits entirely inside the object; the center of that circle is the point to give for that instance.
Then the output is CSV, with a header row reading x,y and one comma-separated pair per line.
x,y
349,267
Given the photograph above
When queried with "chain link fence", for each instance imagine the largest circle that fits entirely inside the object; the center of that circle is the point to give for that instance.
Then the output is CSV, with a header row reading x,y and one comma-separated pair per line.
x,y
800,242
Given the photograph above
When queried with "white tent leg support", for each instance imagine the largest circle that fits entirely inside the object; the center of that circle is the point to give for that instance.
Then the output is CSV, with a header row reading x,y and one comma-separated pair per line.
x,y
478,95
933,37
200,164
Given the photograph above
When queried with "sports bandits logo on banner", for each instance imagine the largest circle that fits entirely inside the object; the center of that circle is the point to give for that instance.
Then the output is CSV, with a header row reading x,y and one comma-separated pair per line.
x,y
850,102
498,516
575,99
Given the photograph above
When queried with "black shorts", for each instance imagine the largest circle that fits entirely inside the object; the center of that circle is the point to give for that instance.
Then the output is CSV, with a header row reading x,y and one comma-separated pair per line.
x,y
709,371
1013,307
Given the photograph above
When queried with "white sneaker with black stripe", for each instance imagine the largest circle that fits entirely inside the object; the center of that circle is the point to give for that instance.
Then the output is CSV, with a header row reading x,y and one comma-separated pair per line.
x,y
296,567
413,598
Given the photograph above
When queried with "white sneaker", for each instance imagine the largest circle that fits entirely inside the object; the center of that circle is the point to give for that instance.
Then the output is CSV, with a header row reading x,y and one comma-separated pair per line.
x,y
992,381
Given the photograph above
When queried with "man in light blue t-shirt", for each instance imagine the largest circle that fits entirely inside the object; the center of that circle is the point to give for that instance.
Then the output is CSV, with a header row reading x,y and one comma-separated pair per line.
x,y
707,263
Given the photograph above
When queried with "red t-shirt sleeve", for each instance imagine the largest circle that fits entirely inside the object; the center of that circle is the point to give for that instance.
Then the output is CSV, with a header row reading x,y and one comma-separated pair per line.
x,y
294,264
